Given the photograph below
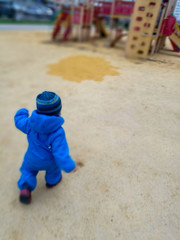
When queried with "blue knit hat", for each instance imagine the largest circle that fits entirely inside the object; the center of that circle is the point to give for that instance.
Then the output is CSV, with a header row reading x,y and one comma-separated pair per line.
x,y
48,103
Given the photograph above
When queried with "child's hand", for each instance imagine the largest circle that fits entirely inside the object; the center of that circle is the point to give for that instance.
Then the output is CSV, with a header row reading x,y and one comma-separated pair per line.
x,y
74,170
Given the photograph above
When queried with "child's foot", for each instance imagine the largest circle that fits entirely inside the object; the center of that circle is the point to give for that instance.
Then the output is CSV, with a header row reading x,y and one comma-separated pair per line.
x,y
53,185
25,196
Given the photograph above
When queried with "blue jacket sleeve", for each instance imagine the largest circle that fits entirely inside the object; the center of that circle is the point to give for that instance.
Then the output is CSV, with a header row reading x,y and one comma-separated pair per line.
x,y
60,151
21,120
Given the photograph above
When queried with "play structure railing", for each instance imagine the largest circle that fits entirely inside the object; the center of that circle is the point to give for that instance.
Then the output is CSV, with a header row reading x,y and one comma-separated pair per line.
x,y
102,9
82,15
123,8
76,15
115,7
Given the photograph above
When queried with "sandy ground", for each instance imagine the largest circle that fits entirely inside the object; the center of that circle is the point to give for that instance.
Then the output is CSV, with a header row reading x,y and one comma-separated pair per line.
x,y
124,133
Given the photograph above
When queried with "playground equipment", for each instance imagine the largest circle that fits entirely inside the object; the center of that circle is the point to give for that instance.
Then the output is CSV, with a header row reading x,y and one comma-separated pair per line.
x,y
120,10
82,16
151,21
82,20
101,11
72,17
112,11
142,27
167,26
171,29
64,16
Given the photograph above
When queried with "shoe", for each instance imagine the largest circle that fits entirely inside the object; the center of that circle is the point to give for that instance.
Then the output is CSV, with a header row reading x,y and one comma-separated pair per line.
x,y
25,196
53,185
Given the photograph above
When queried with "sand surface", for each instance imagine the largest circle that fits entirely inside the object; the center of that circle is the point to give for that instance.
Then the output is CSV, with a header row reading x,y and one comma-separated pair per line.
x,y
123,132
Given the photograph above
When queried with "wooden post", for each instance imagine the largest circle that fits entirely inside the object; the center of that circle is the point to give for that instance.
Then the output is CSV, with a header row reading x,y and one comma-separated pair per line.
x,y
81,24
71,17
111,18
92,14
156,45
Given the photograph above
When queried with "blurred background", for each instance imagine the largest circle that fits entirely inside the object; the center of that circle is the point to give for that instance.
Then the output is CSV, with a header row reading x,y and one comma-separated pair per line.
x,y
20,11
40,11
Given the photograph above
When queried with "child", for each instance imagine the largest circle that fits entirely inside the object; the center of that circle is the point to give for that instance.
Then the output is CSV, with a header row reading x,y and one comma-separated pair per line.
x,y
48,149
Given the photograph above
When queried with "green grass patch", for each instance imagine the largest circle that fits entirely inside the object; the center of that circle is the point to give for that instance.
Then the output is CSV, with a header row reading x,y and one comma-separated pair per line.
x,y
11,21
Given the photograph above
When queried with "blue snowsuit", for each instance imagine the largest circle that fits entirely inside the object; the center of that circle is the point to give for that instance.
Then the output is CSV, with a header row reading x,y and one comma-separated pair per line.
x,y
47,150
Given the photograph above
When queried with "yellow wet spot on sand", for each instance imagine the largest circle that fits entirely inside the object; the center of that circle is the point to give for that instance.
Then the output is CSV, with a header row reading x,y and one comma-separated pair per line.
x,y
79,68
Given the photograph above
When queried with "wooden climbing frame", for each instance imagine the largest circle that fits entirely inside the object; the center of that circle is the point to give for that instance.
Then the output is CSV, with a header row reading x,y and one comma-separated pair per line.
x,y
142,27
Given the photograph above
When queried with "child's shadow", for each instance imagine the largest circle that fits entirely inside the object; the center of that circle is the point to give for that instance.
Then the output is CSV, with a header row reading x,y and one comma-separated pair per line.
x,y
43,194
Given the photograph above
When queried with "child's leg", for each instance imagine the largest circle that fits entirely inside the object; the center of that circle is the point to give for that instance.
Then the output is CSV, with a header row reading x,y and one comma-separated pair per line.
x,y
26,184
28,179
53,176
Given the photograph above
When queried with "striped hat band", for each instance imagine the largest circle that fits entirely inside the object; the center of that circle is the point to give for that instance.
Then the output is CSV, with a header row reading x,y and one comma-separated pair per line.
x,y
48,103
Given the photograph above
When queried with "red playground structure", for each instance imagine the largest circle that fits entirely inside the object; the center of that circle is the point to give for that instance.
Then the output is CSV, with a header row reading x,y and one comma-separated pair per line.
x,y
95,12
64,16
171,29
151,21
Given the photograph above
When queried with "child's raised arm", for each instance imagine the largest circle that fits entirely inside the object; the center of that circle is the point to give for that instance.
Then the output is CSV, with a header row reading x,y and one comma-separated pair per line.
x,y
21,120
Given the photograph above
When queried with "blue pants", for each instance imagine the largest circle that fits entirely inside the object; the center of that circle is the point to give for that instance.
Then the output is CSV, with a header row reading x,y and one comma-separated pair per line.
x,y
28,176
